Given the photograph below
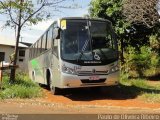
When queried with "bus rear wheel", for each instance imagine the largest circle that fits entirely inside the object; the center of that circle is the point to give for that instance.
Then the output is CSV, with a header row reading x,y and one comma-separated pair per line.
x,y
33,76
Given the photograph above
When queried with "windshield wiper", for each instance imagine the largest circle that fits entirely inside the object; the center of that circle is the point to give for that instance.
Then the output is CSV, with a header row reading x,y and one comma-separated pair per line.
x,y
83,49
86,42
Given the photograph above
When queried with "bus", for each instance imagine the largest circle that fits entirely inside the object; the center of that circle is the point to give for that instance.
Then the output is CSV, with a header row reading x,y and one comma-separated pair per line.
x,y
75,52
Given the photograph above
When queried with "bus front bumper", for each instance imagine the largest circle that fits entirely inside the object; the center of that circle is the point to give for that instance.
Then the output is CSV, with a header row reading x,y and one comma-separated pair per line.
x,y
75,81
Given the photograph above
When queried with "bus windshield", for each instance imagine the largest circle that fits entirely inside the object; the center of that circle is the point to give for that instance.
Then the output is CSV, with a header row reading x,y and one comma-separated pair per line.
x,y
88,41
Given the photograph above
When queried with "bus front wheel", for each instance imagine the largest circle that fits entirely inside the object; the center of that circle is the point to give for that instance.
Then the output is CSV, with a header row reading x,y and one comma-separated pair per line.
x,y
54,90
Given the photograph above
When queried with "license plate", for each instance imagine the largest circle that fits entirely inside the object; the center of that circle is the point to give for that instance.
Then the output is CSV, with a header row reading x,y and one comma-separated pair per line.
x,y
94,78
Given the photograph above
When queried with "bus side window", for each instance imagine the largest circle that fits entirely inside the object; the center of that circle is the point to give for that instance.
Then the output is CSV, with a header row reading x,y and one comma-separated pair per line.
x,y
44,43
49,38
30,52
55,47
33,51
36,50
40,46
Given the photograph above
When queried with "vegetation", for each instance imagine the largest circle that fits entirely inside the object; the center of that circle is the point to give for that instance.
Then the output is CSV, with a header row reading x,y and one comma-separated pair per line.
x,y
22,88
138,33
138,30
142,63
140,88
141,12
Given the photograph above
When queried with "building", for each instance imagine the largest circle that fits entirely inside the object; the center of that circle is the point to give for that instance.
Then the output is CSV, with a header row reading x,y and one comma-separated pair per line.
x,y
7,47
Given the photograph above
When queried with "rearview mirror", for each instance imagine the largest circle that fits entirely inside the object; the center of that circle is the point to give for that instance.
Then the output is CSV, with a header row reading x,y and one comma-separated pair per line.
x,y
56,34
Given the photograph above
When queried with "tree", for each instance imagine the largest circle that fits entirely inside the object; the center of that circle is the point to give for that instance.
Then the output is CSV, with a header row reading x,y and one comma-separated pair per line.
x,y
143,15
144,55
21,13
111,10
141,12
134,20
137,27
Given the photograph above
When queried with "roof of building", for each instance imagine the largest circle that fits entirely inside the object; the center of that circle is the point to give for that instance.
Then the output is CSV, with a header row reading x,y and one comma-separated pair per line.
x,y
10,42
25,43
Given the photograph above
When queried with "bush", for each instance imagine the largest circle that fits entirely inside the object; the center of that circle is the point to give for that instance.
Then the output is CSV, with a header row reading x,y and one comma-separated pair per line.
x,y
154,41
141,88
141,63
22,88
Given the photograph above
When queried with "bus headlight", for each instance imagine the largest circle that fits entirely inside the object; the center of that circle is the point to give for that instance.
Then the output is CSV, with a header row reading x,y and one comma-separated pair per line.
x,y
114,69
68,70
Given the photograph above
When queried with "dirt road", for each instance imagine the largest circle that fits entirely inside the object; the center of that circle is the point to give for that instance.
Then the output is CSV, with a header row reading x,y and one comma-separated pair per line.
x,y
81,101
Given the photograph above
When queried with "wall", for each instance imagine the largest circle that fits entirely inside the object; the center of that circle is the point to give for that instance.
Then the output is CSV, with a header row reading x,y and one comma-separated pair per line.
x,y
8,51
23,65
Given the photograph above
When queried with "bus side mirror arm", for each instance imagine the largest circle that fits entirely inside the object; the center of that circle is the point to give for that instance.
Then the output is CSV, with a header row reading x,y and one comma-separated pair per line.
x,y
57,31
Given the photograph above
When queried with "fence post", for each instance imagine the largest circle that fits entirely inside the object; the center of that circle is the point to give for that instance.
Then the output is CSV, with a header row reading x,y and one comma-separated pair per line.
x,y
1,74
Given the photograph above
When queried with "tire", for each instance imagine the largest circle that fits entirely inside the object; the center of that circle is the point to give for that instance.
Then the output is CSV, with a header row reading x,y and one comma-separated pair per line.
x,y
33,76
54,90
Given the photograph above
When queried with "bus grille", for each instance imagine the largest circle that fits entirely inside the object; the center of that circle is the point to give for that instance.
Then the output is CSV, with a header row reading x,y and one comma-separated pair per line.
x,y
93,81
88,73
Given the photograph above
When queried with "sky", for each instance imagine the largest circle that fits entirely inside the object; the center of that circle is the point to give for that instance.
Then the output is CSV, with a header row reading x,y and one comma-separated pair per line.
x,y
32,33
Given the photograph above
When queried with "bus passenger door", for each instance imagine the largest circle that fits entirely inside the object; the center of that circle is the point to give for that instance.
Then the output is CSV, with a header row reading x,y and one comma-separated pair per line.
x,y
55,64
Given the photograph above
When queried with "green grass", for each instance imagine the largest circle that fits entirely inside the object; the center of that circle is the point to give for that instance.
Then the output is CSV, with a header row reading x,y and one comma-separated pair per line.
x,y
140,88
151,97
23,87
132,88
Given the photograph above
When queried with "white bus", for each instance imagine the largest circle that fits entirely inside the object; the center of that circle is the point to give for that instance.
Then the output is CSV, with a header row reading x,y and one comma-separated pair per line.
x,y
75,52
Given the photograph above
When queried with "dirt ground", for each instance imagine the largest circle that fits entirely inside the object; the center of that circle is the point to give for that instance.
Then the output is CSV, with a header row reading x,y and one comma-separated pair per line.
x,y
108,100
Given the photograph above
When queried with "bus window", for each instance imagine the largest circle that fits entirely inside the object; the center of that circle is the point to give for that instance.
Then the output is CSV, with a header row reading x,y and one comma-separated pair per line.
x,y
49,38
30,52
36,49
45,38
55,47
33,51
40,46
38,52
44,43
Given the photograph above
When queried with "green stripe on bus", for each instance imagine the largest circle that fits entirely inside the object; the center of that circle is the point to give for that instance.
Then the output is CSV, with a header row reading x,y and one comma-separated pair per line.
x,y
36,67
34,64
